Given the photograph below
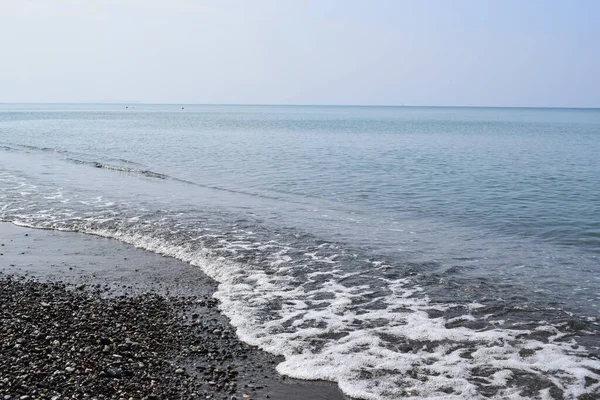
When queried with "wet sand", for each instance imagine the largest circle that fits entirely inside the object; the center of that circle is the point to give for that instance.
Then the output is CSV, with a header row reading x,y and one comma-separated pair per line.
x,y
197,348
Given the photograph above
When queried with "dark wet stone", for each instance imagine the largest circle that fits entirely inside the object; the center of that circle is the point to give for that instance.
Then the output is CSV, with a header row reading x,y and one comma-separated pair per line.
x,y
114,373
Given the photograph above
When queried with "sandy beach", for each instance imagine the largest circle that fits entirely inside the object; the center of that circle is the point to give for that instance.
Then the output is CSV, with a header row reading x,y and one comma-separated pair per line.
x,y
88,317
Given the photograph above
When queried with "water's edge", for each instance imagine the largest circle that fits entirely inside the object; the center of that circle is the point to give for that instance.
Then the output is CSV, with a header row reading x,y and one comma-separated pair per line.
x,y
78,259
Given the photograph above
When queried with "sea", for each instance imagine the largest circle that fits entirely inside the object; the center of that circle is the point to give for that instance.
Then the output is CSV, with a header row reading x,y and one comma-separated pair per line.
x,y
421,252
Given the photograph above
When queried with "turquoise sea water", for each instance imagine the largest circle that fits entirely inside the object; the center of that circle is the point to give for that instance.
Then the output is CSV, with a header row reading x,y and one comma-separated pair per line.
x,y
332,227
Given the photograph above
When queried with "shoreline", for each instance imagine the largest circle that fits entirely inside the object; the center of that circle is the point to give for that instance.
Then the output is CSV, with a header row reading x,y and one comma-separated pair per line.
x,y
88,275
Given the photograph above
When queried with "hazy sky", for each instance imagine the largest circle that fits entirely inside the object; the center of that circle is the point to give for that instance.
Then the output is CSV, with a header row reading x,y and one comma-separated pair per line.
x,y
499,53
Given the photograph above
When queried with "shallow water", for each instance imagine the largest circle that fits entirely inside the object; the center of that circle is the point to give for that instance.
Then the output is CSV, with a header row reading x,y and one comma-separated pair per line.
x,y
433,252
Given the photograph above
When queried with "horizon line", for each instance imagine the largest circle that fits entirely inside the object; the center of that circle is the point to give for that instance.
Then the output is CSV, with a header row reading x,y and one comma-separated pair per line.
x,y
296,105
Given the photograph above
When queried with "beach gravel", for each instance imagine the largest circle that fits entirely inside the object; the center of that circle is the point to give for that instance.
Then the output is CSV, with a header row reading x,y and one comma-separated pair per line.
x,y
72,342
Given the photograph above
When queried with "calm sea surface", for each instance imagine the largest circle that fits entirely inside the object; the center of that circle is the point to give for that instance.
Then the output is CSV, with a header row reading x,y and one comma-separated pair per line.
x,y
399,251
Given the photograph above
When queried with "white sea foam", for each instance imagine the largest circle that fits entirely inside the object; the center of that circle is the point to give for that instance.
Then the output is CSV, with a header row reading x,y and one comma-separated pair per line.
x,y
332,340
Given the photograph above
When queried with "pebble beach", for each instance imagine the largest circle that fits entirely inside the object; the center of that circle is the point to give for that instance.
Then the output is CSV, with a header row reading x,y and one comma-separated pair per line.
x,y
77,326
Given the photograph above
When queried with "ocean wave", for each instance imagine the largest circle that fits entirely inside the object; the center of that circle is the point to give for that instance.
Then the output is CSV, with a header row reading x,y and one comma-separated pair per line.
x,y
158,175
19,146
97,164
15,146
92,161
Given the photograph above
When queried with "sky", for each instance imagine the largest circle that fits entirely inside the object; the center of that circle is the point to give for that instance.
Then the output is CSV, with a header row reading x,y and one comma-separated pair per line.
x,y
371,52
